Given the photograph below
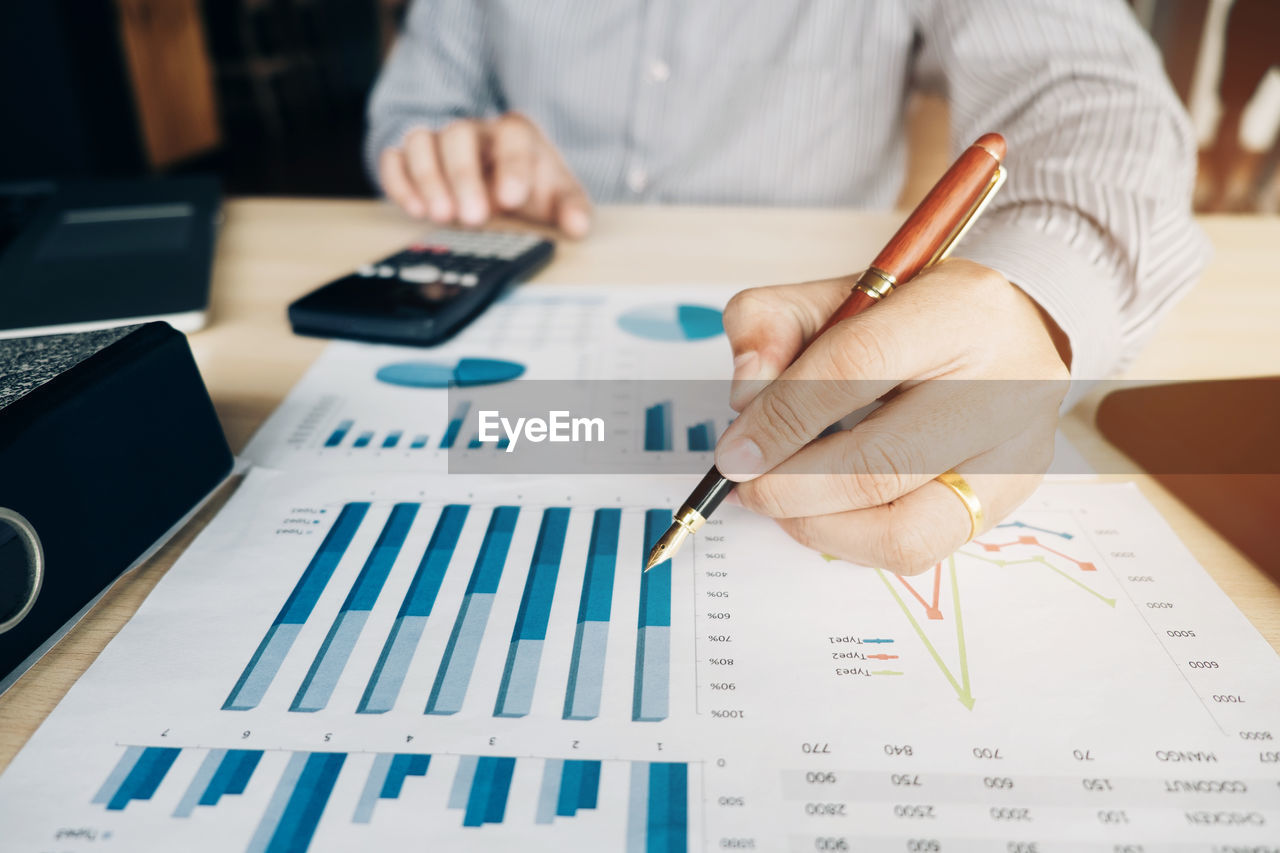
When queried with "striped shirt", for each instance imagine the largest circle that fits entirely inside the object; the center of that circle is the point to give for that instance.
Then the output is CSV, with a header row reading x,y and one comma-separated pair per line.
x,y
801,102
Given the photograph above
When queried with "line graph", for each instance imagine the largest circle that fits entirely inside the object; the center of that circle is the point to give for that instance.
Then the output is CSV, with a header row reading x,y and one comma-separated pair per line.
x,y
1026,549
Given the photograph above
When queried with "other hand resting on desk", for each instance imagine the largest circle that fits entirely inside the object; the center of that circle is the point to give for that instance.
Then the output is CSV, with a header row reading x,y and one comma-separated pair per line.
x,y
474,169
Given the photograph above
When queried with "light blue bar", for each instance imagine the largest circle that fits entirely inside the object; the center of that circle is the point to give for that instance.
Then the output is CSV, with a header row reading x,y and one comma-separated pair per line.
x,y
461,790
362,440
329,663
586,675
549,792
460,655
335,438
279,800
455,425
198,784
263,668
515,697
653,674
372,788
392,439
121,772
638,808
419,442
389,675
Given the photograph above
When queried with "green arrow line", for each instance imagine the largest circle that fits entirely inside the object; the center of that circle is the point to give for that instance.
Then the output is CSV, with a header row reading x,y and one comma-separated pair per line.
x,y
966,696
961,693
886,672
1110,602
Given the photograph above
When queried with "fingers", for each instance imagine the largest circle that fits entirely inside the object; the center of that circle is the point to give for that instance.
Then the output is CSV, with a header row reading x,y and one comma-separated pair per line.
x,y
471,169
513,146
911,534
902,445
573,208
424,169
459,146
938,323
394,177
768,326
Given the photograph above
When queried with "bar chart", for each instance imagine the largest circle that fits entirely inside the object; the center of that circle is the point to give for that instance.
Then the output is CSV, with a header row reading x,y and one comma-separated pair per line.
x,y
297,798
384,576
661,434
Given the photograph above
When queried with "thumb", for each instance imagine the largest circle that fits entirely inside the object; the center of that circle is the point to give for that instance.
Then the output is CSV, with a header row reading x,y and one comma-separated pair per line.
x,y
769,326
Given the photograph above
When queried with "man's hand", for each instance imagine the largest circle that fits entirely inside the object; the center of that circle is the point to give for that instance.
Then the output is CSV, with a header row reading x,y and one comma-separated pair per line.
x,y
976,382
475,169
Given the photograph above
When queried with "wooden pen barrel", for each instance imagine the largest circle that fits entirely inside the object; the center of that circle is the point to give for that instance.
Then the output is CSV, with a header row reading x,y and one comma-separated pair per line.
x,y
942,211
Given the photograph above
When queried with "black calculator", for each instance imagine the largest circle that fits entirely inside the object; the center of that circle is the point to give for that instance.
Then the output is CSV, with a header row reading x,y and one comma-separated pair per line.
x,y
425,294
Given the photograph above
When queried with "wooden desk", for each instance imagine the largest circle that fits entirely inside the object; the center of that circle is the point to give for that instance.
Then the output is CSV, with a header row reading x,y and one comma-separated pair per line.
x,y
272,251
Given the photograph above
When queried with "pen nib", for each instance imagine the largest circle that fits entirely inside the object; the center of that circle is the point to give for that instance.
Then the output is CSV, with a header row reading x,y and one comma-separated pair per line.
x,y
667,546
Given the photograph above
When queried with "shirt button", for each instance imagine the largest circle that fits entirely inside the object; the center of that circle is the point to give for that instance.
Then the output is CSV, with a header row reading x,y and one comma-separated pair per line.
x,y
637,179
659,71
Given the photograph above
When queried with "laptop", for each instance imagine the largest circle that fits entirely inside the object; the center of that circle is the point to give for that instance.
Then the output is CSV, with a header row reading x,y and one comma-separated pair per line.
x,y
91,254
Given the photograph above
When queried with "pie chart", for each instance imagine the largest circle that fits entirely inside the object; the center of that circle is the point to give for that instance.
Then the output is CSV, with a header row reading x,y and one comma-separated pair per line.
x,y
672,322
432,374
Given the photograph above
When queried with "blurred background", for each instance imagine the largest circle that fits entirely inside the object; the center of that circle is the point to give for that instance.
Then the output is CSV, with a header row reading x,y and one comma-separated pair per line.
x,y
270,94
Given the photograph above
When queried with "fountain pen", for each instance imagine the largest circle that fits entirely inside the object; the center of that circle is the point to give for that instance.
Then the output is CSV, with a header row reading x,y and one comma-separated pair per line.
x,y
925,238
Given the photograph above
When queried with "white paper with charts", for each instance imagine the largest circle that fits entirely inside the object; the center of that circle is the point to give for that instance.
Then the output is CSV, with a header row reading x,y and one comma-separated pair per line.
x,y
357,662
365,407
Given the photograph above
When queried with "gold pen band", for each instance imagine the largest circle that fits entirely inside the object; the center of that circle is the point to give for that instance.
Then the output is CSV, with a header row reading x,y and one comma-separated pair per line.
x,y
689,518
876,283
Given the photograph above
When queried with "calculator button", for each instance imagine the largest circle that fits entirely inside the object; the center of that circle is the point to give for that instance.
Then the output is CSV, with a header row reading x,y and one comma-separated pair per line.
x,y
386,271
469,279
420,274
366,271
450,277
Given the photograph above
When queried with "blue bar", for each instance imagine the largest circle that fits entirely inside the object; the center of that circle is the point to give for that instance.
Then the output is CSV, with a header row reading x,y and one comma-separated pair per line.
x,y
570,784
117,776
468,630
589,792
306,804
145,777
270,822
653,642
487,802
392,439
455,425
363,439
668,818
232,775
266,661
586,669
327,667
496,809
403,766
386,781
657,427
700,436
515,696
419,442
393,664
335,438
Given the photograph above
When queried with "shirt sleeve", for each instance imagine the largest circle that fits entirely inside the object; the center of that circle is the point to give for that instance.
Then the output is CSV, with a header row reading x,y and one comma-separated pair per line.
x,y
1094,221
438,71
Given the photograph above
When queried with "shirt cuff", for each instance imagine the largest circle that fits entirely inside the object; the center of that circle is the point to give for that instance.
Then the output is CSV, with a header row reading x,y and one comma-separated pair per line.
x,y
1082,298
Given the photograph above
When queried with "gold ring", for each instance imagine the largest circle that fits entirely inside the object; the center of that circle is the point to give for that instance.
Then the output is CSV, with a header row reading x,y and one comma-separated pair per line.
x,y
965,492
